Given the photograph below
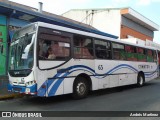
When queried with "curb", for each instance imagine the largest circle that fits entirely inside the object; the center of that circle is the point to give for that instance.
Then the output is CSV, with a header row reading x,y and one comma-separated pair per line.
x,y
11,96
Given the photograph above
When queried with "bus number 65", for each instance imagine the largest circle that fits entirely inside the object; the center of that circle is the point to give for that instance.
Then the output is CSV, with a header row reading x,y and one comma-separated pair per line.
x,y
100,67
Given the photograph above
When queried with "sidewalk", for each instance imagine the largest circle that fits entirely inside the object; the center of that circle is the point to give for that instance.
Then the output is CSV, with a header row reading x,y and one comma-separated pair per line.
x,y
4,94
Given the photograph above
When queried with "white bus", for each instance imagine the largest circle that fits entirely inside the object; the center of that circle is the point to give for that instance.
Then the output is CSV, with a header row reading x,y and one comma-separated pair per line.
x,y
48,60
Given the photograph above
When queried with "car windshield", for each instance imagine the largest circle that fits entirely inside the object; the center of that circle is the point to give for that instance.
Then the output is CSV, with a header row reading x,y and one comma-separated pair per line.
x,y
21,52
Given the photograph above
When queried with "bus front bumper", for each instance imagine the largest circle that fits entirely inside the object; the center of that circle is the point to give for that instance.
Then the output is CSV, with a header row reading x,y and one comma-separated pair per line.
x,y
31,90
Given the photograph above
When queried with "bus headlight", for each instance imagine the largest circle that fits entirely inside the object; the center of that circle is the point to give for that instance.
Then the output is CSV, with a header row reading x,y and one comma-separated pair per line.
x,y
30,83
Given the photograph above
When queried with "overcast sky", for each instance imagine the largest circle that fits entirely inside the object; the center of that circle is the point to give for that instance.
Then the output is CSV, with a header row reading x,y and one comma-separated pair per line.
x,y
148,8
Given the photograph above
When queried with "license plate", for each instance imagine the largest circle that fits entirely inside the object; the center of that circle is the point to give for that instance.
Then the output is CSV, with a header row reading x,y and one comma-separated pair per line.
x,y
17,89
27,90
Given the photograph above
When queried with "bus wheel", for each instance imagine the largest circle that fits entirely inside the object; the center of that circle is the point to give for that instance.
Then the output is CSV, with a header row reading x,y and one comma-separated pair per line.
x,y
140,80
80,88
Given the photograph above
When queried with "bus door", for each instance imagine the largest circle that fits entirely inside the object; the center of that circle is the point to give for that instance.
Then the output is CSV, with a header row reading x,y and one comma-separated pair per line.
x,y
3,39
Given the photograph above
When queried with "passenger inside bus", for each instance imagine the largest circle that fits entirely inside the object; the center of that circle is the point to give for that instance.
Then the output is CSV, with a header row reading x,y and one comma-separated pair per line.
x,y
50,53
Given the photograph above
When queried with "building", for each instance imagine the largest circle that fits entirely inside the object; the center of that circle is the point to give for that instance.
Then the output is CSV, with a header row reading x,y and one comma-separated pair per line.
x,y
122,22
125,23
14,16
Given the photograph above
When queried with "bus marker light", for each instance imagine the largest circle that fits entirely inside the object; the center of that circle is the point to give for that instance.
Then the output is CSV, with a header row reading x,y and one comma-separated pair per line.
x,y
43,86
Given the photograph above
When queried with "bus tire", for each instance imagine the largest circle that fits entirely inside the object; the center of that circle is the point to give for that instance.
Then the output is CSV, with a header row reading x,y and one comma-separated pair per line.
x,y
80,88
140,80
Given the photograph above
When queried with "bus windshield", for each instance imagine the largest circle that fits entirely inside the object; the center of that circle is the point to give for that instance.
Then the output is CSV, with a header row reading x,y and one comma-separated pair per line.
x,y
21,50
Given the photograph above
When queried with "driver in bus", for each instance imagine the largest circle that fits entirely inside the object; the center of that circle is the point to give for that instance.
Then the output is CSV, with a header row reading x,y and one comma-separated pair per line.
x,y
50,53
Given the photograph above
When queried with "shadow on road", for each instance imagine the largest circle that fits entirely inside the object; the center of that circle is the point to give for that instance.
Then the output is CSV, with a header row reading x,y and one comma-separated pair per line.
x,y
47,100
119,89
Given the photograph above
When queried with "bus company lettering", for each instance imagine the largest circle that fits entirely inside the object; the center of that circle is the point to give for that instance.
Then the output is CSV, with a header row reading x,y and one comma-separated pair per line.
x,y
144,67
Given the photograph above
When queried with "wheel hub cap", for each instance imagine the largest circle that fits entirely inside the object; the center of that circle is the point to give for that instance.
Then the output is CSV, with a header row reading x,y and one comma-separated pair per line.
x,y
81,88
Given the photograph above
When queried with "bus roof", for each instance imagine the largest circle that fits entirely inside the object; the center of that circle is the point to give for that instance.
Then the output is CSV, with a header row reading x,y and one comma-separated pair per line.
x,y
89,34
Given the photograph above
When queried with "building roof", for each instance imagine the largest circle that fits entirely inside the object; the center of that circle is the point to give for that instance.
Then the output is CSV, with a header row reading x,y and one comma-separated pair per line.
x,y
138,18
19,11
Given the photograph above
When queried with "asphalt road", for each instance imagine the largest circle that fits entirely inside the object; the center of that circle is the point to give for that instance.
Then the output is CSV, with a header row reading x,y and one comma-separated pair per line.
x,y
127,98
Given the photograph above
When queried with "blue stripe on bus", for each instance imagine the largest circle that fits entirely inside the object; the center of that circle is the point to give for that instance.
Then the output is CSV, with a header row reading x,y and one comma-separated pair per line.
x,y
56,85
120,67
42,91
59,81
149,75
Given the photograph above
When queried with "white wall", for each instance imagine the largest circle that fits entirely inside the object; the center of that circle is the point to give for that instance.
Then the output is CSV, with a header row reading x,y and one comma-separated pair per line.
x,y
104,20
75,15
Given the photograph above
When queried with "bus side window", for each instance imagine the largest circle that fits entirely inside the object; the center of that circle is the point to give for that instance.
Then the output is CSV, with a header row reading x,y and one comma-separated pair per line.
x,y
54,44
102,49
131,53
83,47
118,51
141,54
149,56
